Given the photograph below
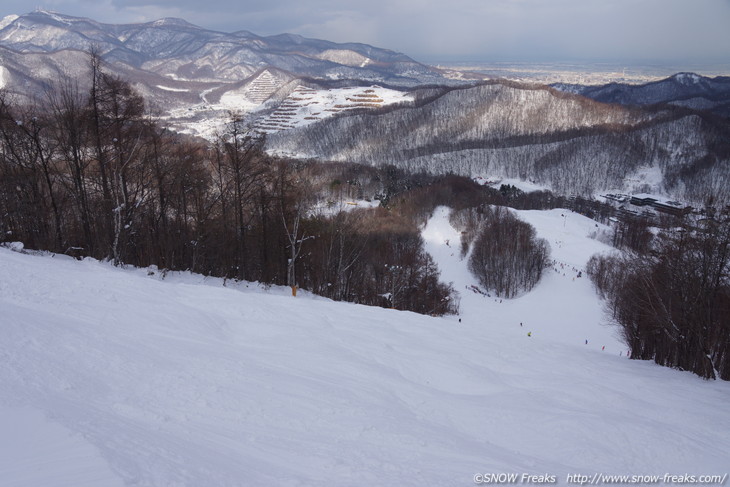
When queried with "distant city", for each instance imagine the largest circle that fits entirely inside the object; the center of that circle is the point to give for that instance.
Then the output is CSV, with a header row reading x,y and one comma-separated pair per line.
x,y
585,74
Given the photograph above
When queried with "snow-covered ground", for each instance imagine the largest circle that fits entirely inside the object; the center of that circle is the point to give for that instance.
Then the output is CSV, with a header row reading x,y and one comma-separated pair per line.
x,y
38,451
645,178
562,307
115,377
305,105
7,20
333,207
3,77
302,107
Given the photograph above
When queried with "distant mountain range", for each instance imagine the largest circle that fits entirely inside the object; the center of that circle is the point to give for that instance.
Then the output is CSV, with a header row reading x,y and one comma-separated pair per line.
x,y
683,89
175,64
354,102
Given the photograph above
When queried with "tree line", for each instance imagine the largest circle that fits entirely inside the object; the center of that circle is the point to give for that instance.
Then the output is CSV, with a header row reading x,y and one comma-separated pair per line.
x,y
89,173
670,293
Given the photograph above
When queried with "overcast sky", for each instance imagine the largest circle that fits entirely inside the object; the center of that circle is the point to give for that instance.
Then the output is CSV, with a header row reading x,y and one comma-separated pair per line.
x,y
623,31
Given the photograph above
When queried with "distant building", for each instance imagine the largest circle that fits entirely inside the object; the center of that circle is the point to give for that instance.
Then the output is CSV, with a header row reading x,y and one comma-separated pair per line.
x,y
670,207
642,201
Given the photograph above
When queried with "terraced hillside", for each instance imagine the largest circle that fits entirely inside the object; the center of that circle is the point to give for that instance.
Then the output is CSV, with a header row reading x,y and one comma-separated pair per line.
x,y
306,105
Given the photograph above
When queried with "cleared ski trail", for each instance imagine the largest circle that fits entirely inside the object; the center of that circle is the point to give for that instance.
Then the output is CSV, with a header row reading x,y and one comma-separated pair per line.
x,y
127,379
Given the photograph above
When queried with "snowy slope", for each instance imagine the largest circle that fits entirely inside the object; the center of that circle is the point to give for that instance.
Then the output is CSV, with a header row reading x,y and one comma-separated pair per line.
x,y
127,379
302,107
562,308
40,452
306,105
8,19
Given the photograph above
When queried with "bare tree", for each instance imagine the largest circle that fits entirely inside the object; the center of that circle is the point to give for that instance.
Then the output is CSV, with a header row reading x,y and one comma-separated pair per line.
x,y
294,204
506,257
241,159
70,124
27,147
672,301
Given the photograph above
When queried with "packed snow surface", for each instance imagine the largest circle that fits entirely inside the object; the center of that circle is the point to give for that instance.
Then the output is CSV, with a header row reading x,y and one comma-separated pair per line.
x,y
119,377
562,307
40,452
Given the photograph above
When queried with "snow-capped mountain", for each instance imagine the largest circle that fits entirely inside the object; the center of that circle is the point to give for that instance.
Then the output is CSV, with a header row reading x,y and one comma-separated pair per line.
x,y
656,137
178,50
185,69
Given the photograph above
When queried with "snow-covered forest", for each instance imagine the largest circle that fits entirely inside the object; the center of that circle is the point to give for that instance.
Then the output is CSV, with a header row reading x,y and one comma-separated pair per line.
x,y
565,142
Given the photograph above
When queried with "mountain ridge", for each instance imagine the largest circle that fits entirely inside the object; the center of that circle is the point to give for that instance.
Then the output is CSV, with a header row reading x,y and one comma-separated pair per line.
x,y
175,64
566,142
682,89
140,43
574,139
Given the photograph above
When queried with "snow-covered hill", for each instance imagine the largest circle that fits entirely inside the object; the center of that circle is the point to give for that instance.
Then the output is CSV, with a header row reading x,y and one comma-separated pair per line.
x,y
193,58
179,49
191,77
120,377
304,105
567,143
